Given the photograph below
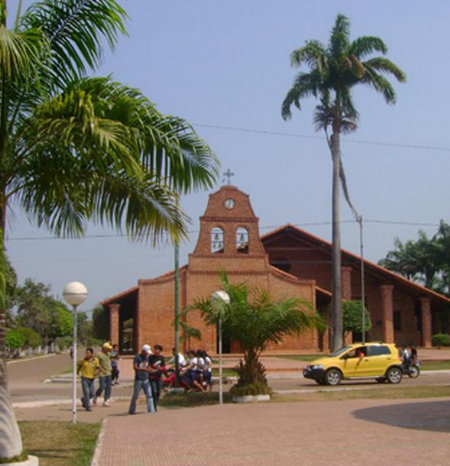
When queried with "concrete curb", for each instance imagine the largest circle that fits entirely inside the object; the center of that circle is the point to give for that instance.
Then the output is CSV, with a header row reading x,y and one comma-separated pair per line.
x,y
99,444
66,401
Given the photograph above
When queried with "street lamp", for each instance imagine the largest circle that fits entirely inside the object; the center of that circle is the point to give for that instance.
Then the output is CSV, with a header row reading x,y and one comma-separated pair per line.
x,y
75,293
219,299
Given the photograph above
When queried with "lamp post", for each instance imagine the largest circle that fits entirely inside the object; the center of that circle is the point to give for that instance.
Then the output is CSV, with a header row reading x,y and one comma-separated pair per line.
x,y
75,293
219,299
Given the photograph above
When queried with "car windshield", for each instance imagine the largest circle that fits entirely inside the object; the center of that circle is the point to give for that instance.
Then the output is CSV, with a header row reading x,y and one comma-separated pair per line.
x,y
339,351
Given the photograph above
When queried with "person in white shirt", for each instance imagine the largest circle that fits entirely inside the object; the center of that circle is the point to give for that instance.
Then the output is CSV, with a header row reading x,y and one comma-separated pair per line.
x,y
181,360
189,376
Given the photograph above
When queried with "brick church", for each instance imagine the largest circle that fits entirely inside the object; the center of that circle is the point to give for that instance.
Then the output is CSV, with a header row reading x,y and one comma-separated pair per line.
x,y
287,262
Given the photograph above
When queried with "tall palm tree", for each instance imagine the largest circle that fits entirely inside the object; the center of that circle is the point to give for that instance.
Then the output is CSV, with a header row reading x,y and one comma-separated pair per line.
x,y
75,148
333,71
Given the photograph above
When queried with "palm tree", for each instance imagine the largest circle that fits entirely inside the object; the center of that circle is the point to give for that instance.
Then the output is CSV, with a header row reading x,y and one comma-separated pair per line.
x,y
333,72
75,148
253,320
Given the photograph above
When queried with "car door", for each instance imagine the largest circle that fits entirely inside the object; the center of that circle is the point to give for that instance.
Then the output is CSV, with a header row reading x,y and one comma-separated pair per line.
x,y
356,363
380,359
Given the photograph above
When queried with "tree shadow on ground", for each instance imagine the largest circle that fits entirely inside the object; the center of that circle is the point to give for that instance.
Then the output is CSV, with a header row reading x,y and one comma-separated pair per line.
x,y
425,415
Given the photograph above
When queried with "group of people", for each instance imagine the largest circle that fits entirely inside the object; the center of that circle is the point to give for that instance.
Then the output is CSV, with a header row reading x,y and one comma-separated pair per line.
x,y
194,374
103,367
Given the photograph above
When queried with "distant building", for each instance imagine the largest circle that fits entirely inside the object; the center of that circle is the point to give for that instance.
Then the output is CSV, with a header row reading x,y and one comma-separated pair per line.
x,y
288,262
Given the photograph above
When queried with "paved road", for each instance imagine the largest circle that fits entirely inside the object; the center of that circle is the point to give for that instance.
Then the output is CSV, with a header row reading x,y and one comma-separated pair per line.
x,y
26,380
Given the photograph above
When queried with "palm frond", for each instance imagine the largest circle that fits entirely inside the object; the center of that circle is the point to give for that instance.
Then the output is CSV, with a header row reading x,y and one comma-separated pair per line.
x,y
365,45
339,39
75,31
385,66
312,54
125,159
19,55
305,84
380,84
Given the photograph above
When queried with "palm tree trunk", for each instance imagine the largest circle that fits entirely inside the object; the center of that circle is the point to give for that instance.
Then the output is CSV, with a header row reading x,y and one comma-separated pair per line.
x,y
10,438
336,288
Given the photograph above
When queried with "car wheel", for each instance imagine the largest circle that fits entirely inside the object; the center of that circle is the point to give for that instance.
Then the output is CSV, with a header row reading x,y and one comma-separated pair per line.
x,y
394,375
333,377
381,379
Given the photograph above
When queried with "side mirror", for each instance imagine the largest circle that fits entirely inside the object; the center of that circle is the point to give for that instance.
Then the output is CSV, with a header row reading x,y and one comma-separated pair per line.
x,y
346,356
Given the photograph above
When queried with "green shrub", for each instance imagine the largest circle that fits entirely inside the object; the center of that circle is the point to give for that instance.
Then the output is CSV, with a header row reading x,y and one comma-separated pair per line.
x,y
440,339
14,339
257,388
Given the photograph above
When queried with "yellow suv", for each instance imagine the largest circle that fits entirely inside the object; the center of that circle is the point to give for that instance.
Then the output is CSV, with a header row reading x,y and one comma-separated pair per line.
x,y
370,360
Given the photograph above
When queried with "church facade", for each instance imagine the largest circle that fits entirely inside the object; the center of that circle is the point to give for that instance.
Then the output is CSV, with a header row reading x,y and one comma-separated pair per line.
x,y
287,262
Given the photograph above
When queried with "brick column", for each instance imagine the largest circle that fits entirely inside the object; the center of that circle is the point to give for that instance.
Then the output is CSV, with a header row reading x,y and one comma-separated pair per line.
x,y
346,283
425,306
387,312
114,323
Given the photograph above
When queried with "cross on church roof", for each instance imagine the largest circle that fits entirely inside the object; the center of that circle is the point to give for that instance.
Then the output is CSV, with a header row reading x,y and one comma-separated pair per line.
x,y
228,174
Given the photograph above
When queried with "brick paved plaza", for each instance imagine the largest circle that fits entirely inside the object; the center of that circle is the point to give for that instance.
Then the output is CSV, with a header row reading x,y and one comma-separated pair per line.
x,y
313,433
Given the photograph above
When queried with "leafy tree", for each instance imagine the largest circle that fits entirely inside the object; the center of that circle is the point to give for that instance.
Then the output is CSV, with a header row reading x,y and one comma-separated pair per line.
x,y
100,323
85,329
253,320
352,319
425,260
63,322
32,338
74,148
38,310
333,72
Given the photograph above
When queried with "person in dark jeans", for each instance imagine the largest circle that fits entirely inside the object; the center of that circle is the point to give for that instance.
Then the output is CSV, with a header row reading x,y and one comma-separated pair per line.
x,y
141,370
157,368
88,368
114,355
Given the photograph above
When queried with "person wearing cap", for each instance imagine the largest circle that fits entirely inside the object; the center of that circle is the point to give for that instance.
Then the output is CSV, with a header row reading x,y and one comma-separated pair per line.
x,y
142,368
105,381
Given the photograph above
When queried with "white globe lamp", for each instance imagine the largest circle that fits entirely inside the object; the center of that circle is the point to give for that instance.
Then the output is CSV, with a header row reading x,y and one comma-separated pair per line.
x,y
75,293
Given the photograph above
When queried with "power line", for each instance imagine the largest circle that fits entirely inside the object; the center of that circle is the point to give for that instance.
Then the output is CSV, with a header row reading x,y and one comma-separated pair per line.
x,y
306,136
264,227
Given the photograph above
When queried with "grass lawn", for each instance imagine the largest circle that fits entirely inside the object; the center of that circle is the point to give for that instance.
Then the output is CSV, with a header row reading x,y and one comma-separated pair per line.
x,y
387,392
435,365
60,443
191,400
301,357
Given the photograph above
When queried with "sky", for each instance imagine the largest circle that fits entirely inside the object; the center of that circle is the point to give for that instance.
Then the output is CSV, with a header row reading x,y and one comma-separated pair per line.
x,y
224,67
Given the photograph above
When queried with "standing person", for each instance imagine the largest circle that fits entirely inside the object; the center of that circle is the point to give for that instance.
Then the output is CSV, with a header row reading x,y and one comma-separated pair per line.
x,y
104,375
141,381
114,355
89,368
157,368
